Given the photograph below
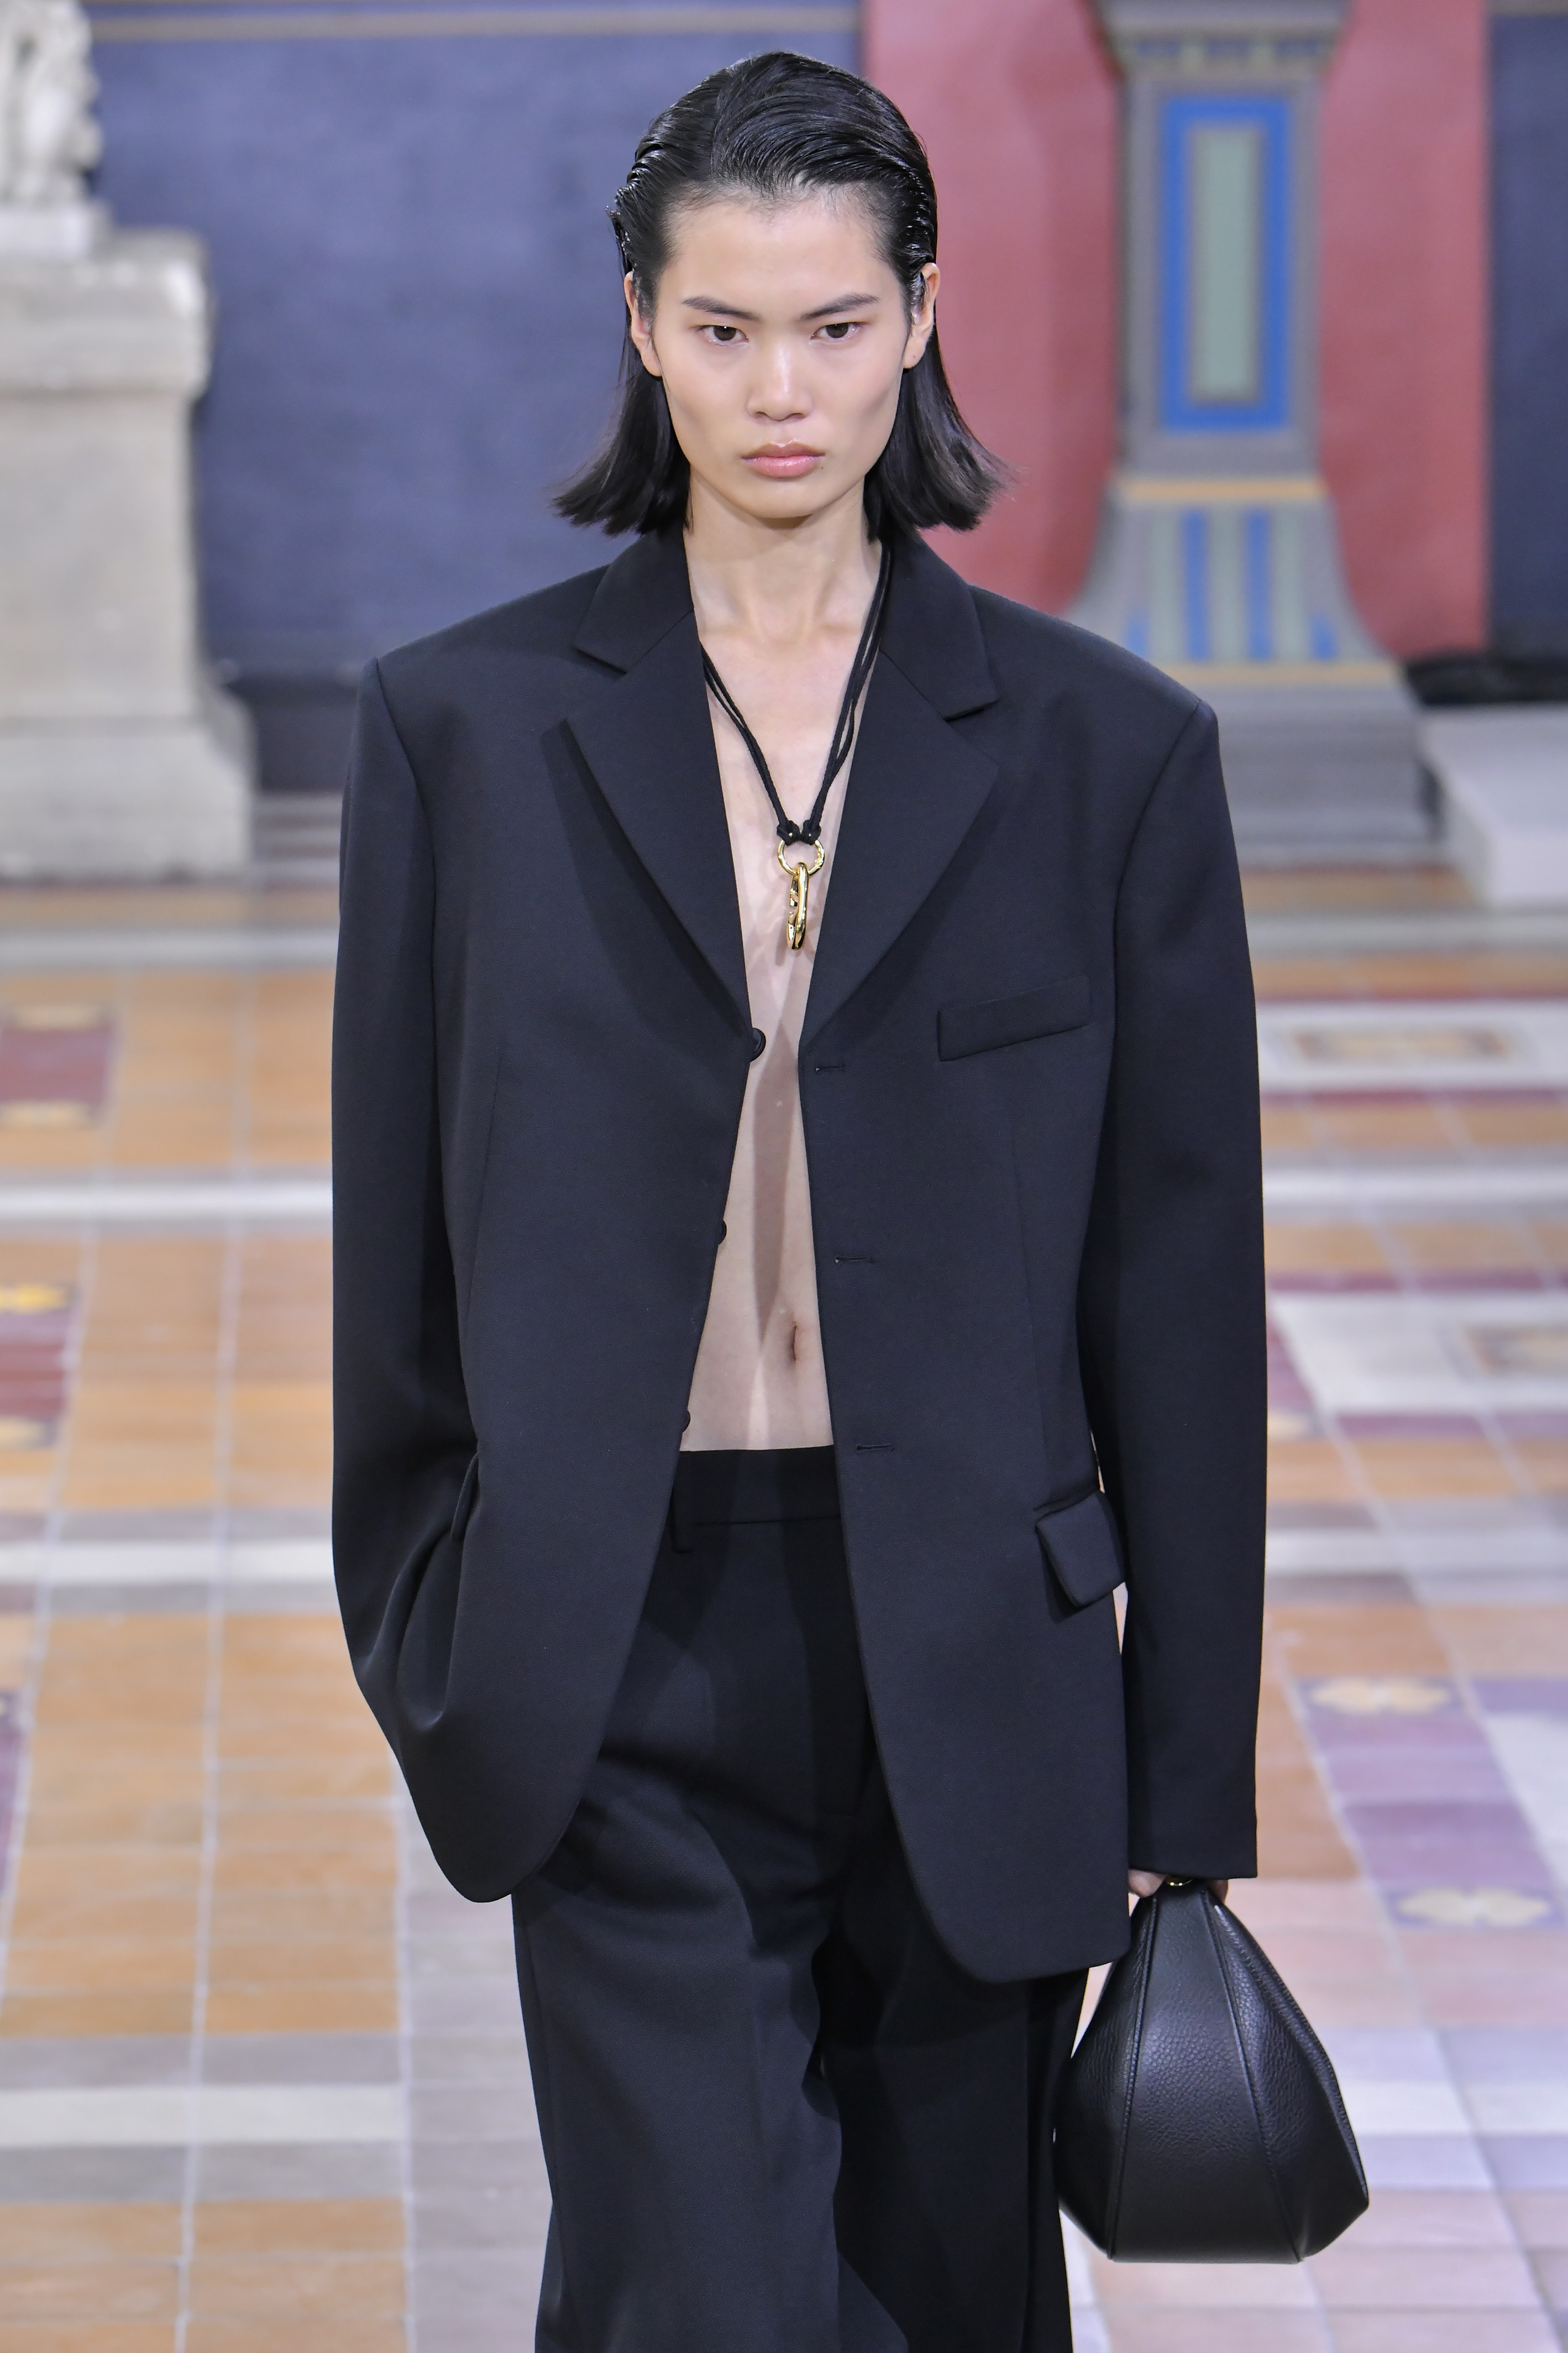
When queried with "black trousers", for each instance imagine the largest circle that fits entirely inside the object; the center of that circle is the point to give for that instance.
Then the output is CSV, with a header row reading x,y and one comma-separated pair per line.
x,y
776,2116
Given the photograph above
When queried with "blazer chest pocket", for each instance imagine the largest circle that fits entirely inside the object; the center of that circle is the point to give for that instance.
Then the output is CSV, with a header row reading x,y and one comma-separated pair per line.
x,y
1011,1020
1080,1542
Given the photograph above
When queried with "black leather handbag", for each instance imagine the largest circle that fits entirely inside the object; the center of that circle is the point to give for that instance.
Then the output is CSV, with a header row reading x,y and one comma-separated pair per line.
x,y
1200,2120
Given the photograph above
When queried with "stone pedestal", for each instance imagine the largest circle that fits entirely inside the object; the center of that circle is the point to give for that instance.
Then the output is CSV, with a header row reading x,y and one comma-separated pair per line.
x,y
1218,556
119,756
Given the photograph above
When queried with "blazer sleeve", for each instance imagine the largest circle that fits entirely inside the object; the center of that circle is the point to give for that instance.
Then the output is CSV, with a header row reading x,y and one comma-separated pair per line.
x,y
1172,1324
403,1441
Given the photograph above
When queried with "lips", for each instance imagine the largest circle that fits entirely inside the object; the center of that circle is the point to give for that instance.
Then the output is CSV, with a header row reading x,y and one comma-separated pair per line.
x,y
784,461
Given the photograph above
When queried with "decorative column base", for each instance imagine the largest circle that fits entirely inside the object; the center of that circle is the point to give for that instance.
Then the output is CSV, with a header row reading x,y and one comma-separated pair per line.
x,y
119,756
1234,585
132,801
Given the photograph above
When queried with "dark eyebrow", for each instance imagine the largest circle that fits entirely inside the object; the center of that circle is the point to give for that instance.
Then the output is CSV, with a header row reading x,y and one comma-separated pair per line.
x,y
845,302
719,309
823,310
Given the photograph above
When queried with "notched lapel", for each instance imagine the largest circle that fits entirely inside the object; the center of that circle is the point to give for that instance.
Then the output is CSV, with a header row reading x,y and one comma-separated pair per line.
x,y
914,791
649,743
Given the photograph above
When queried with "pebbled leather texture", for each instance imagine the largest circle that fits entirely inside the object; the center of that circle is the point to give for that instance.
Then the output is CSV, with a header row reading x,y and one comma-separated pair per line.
x,y
1200,2119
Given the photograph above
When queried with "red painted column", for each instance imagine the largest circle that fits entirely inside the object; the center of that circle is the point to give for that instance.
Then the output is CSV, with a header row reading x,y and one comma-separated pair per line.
x,y
1018,105
1405,324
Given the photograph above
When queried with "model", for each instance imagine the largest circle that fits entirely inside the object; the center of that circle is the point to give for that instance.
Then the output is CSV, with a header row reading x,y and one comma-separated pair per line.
x,y
798,1252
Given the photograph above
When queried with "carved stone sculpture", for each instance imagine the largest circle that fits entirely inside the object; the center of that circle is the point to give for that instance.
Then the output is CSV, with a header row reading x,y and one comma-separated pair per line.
x,y
47,135
119,756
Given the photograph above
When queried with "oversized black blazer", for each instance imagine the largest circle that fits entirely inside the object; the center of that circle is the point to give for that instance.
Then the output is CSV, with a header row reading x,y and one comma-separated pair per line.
x,y
1029,1079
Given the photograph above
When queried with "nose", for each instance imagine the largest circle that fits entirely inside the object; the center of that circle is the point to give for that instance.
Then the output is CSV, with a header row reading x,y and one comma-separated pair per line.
x,y
776,393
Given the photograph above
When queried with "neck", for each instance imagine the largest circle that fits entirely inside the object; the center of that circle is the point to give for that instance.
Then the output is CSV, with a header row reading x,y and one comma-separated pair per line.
x,y
779,584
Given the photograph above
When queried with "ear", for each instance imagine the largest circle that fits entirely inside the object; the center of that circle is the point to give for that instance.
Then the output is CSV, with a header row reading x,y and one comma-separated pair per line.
x,y
923,323
639,328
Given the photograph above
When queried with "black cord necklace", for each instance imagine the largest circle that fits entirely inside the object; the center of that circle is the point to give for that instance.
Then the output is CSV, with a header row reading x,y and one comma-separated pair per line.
x,y
799,874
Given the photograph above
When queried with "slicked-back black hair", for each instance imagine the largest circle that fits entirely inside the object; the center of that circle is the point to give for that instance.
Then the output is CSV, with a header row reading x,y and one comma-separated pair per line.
x,y
773,128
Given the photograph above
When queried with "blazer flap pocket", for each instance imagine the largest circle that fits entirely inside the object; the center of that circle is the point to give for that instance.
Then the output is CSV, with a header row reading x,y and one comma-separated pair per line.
x,y
1010,1020
1083,1548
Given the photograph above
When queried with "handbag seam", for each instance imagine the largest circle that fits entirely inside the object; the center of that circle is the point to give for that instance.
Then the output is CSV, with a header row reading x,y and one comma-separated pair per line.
x,y
1326,2079
1210,1907
1145,1971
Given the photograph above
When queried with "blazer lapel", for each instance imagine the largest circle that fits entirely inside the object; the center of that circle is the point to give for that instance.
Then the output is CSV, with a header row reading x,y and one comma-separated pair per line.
x,y
915,787
649,743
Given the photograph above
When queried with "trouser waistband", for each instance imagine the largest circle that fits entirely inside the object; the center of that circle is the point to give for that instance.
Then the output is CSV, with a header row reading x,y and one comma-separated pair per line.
x,y
729,1487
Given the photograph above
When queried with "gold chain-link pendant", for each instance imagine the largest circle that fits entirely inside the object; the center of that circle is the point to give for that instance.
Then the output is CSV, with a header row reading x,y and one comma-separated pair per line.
x,y
799,893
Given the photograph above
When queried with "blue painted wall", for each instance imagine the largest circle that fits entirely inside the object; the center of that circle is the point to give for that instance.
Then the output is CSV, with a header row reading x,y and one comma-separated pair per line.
x,y
1530,331
417,302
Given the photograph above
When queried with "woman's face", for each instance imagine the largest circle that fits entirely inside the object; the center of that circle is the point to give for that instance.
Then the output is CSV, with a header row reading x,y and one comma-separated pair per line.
x,y
781,336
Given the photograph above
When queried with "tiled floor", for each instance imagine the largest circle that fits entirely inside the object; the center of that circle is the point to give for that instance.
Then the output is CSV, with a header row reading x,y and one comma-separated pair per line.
x,y
261,2076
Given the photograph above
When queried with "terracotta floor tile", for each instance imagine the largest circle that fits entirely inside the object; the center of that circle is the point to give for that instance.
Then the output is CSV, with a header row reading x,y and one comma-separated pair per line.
x,y
300,2286
286,1867
302,2009
1374,2002
1323,1249
298,2226
336,2334
251,1781
109,1871
71,1731
1550,1238
92,1912
70,1151
286,1961
1288,1130
273,1739
104,2290
1310,1471
1328,1953
1424,1471
1441,1246
1386,1126
62,1776
56,2234
86,2337
99,1963
106,1825
299,1828
165,2011
1355,1639
1494,1641
77,1643
364,1912
1501,1126
1545,1464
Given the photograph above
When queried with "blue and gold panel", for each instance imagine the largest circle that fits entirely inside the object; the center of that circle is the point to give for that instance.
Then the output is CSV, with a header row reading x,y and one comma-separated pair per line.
x,y
1225,263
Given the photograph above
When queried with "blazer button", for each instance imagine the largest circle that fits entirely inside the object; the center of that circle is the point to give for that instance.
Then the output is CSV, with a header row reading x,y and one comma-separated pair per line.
x,y
759,1039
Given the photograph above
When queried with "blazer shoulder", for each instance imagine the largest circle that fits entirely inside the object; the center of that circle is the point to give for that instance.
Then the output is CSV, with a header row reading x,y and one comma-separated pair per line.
x,y
1038,656
542,625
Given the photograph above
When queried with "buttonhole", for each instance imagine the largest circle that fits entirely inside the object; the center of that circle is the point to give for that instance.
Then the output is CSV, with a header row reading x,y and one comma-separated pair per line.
x,y
820,1068
878,1446
854,1258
